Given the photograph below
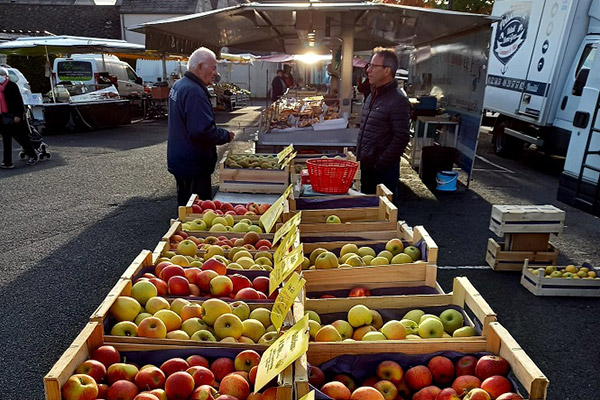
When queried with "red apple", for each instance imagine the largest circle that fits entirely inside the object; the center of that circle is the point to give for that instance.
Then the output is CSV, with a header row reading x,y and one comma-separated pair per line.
x,y
160,266
178,286
427,393
215,265
204,392
245,360
203,279
464,383
316,377
263,242
240,282
146,396
195,290
346,380
150,378
218,204
389,370
448,394
336,390
201,375
418,377
496,385
80,387
252,375
221,286
161,286
263,296
179,386
510,396
102,391
387,389
261,283
359,291
93,368
207,205
107,355
226,397
371,381
491,365
196,209
173,365
234,385
121,371
248,294
442,370
159,393
122,390
477,394
366,393
170,271
403,390
197,360
191,273
270,394
221,367
465,366
263,208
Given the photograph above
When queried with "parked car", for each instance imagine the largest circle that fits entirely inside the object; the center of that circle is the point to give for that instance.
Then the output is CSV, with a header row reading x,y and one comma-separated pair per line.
x,y
17,77
95,70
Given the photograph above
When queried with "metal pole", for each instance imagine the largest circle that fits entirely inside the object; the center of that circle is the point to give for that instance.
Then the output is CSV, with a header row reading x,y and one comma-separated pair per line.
x,y
164,67
50,75
267,88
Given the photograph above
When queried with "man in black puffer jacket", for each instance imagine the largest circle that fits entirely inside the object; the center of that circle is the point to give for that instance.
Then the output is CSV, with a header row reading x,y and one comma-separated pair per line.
x,y
383,133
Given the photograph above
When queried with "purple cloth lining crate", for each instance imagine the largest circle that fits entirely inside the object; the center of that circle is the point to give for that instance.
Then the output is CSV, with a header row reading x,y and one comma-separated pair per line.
x,y
315,203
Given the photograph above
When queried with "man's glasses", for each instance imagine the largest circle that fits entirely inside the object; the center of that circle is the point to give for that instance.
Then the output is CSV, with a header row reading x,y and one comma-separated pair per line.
x,y
369,65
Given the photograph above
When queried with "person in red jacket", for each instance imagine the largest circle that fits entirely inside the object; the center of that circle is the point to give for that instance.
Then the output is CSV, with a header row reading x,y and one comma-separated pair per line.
x,y
12,121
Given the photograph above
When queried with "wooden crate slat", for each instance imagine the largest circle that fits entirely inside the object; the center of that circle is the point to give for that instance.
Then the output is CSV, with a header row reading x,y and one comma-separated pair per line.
x,y
541,286
501,260
252,187
526,219
144,259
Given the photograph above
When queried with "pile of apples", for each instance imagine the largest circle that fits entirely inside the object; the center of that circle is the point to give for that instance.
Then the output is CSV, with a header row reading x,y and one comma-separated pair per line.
x,y
105,376
180,242
213,222
569,272
469,378
222,208
208,280
368,325
210,321
353,256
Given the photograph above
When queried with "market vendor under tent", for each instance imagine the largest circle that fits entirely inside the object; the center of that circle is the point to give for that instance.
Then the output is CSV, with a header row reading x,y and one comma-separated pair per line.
x,y
193,132
278,86
383,133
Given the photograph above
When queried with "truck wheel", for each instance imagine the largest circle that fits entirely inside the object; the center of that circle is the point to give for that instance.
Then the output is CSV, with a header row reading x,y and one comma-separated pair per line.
x,y
505,145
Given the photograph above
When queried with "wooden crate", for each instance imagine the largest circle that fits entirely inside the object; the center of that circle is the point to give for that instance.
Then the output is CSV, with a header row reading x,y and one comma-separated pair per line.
x,y
246,180
362,202
503,260
464,295
123,288
526,219
498,342
176,225
540,286
419,278
144,259
91,337
382,218
415,237
187,214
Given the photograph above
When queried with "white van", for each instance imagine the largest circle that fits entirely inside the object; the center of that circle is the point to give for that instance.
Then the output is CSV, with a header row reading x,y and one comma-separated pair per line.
x,y
96,70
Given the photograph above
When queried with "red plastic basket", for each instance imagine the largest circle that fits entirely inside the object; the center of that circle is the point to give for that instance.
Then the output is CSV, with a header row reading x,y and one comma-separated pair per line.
x,y
331,175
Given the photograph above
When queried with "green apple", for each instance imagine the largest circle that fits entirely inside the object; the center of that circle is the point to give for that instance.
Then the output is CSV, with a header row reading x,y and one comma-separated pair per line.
x,y
187,248
124,328
394,246
228,325
141,317
203,336
355,261
241,309
213,309
413,252
349,248
240,227
465,331
326,260
387,254
556,274
218,228
379,261
208,218
333,219
314,254
143,291
125,308
229,219
425,316
344,328
312,315
371,336
402,258
359,315
366,251
255,228
394,330
268,338
193,325
414,315
452,320
368,259
431,328
314,327
377,320
263,315
198,225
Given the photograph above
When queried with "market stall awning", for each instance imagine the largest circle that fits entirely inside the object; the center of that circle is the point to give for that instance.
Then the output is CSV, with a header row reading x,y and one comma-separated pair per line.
x,y
37,46
291,27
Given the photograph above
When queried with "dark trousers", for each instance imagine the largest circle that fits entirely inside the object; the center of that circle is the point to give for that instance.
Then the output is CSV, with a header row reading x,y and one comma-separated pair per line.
x,y
370,178
199,184
19,133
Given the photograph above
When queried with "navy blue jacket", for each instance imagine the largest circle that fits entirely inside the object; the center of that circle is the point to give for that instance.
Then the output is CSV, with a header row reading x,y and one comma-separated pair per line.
x,y
193,133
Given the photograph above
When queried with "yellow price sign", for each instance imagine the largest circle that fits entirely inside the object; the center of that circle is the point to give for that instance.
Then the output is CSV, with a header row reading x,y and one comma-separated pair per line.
x,y
285,228
285,267
283,153
287,192
309,396
282,353
269,218
292,239
285,299
288,160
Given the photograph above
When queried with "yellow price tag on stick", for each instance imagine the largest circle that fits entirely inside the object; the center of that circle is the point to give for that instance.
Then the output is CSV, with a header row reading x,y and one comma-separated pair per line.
x,y
285,228
292,239
309,396
283,153
285,267
269,218
287,160
285,299
287,192
282,353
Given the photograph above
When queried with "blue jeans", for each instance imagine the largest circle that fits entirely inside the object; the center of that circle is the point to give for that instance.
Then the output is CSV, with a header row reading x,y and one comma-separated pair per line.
x,y
371,177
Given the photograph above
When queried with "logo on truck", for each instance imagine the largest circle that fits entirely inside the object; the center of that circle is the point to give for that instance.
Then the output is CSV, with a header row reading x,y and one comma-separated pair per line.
x,y
511,33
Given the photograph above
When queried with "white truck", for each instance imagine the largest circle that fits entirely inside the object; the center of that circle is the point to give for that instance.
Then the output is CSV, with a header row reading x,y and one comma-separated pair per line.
x,y
544,82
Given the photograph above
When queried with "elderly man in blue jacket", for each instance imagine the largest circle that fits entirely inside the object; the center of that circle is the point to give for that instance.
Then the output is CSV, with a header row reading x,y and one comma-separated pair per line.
x,y
193,133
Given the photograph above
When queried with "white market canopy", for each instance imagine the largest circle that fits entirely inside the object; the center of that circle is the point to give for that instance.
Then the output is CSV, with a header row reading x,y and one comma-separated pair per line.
x,y
37,46
287,27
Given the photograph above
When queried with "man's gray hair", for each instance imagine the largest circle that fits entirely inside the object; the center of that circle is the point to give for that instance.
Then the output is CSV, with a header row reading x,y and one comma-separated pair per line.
x,y
200,56
3,71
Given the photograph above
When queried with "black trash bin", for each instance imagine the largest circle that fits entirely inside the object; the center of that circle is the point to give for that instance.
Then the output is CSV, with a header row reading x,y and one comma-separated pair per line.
x,y
433,160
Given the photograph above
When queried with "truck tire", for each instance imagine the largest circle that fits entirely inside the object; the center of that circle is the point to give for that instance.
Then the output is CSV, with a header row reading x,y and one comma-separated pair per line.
x,y
505,145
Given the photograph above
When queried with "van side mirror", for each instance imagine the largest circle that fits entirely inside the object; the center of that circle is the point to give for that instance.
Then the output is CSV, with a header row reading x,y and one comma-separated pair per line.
x,y
138,80
580,82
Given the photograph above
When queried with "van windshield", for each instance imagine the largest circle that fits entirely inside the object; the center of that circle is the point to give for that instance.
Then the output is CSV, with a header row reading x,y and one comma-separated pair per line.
x,y
74,71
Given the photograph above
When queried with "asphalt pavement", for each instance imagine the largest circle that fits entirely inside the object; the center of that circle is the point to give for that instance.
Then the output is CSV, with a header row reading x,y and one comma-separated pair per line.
x,y
72,224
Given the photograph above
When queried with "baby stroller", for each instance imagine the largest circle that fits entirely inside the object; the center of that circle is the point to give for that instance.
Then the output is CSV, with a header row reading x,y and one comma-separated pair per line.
x,y
36,139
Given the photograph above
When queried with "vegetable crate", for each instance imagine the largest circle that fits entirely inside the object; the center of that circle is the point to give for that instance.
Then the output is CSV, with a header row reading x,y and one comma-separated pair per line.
x,y
123,288
381,218
91,337
362,203
524,372
418,278
542,286
253,180
417,237
526,219
464,297
503,260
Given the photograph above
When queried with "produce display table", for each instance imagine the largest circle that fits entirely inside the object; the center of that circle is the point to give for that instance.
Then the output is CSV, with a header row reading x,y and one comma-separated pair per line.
x,y
334,139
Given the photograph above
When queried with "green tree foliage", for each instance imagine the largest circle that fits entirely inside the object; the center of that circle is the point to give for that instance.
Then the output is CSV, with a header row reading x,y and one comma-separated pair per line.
x,y
32,67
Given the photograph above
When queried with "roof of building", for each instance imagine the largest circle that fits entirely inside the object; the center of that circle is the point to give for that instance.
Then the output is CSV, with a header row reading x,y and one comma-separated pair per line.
x,y
161,6
78,20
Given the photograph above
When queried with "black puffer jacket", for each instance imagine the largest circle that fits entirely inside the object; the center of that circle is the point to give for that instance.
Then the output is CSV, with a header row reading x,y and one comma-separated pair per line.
x,y
383,133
